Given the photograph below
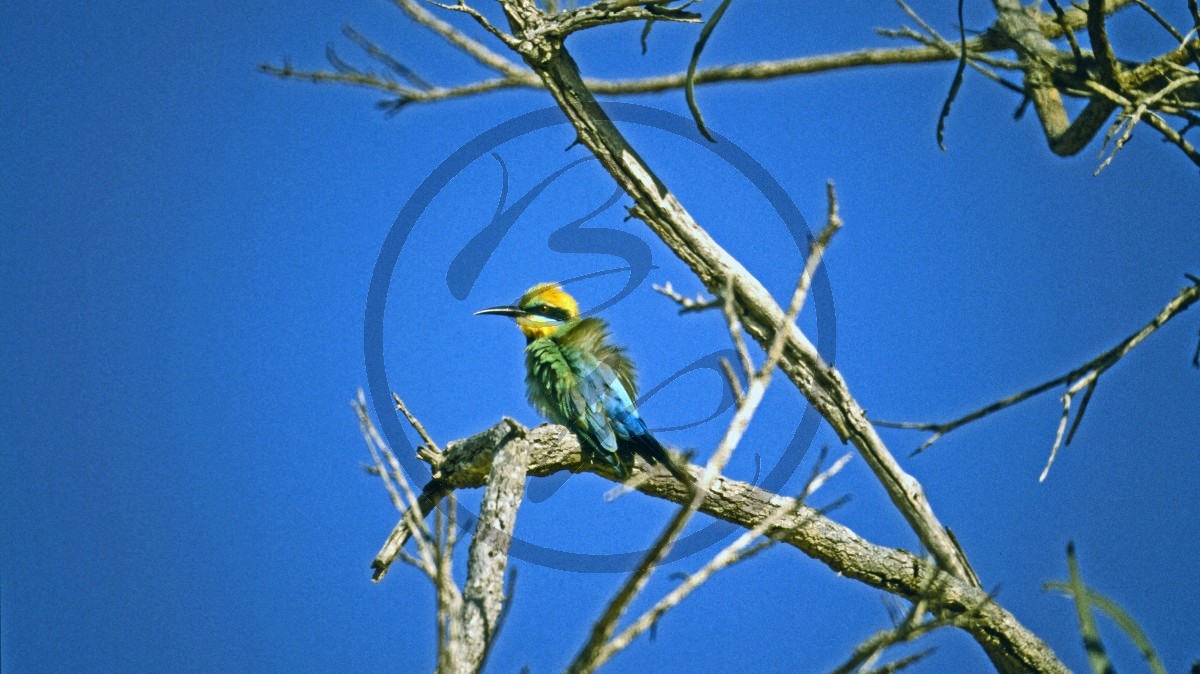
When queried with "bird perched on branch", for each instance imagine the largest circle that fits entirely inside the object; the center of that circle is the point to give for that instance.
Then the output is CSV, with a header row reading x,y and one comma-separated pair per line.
x,y
577,378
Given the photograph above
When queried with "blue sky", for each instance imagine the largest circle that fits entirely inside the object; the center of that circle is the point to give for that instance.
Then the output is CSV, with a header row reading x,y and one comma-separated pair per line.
x,y
186,248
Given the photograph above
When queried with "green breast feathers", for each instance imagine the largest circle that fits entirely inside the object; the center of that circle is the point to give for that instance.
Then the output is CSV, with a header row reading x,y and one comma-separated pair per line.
x,y
555,366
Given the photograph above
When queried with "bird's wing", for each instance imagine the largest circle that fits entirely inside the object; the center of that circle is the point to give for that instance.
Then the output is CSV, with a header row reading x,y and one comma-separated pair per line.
x,y
591,336
588,404
628,425
611,372
631,432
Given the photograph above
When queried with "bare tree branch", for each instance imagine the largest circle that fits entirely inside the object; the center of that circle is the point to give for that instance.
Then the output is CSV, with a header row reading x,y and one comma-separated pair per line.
x,y
1047,80
1077,379
1134,110
483,592
821,384
538,38
896,571
468,45
393,476
737,551
608,12
687,304
431,495
436,550
1108,85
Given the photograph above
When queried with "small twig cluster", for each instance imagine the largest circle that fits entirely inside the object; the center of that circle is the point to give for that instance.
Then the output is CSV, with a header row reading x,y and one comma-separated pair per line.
x,y
435,549
1149,91
468,619
914,624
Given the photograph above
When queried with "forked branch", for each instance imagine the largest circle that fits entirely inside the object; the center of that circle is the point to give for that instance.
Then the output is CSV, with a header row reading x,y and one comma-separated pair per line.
x,y
893,570
1082,379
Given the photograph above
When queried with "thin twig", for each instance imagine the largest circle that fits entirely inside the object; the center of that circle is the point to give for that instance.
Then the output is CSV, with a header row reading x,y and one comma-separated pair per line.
x,y
1097,657
959,70
393,477
689,86
1158,17
816,252
457,38
1061,18
912,626
374,51
737,551
687,304
735,384
415,423
1119,616
734,325
904,662
1078,377
420,506
975,61
462,6
1130,119
1175,137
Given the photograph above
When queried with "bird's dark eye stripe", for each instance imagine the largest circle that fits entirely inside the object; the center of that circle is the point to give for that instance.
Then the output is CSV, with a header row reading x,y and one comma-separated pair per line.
x,y
554,313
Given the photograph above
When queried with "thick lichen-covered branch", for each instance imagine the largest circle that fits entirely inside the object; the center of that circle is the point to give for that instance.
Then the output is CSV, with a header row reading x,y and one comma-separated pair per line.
x,y
467,464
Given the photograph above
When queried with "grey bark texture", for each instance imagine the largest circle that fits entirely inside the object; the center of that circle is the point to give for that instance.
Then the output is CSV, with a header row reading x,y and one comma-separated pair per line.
x,y
552,449
483,595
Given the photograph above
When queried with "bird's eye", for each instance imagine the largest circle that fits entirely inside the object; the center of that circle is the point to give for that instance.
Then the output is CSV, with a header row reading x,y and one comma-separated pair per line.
x,y
553,313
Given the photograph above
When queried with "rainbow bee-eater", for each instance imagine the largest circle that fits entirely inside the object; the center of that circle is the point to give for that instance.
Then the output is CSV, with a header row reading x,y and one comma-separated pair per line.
x,y
578,378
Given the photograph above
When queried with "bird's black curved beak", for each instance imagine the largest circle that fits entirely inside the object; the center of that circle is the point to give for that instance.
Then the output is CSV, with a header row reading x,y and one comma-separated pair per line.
x,y
511,312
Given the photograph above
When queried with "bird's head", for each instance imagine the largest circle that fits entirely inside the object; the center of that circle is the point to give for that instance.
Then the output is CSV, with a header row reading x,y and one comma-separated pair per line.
x,y
540,311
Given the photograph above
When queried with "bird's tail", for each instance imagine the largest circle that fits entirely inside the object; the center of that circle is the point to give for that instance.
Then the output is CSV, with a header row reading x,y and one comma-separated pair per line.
x,y
649,448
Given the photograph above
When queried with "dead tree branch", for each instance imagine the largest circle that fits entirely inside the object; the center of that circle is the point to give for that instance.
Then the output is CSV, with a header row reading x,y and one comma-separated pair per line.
x,y
1081,379
467,619
598,649
737,551
483,592
1049,73
899,572
537,36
